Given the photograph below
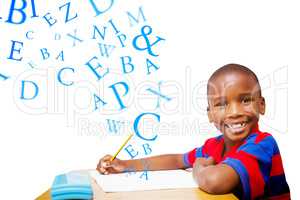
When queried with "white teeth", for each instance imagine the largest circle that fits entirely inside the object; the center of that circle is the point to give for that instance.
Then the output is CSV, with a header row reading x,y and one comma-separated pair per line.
x,y
234,126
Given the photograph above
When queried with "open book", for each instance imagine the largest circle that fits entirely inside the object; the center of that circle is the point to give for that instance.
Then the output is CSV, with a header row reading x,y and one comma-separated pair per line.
x,y
150,180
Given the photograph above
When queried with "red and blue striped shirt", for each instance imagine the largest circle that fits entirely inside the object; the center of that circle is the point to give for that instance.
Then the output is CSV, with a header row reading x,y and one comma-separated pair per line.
x,y
256,160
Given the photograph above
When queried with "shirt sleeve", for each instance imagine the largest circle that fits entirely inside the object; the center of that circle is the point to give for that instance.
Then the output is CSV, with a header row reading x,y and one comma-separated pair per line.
x,y
252,161
190,157
204,151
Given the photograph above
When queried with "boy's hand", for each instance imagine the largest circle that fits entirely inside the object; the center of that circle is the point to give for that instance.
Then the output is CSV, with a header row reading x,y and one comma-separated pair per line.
x,y
201,163
204,161
105,166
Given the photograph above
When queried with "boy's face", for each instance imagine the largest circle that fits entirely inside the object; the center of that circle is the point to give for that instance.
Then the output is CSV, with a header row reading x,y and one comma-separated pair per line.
x,y
234,105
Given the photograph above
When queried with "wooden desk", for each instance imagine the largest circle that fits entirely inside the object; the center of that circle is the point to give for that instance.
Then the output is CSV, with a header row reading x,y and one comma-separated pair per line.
x,y
178,194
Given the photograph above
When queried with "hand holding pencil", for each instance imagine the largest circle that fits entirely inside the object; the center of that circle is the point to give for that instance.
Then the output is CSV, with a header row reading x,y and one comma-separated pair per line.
x,y
110,164
106,166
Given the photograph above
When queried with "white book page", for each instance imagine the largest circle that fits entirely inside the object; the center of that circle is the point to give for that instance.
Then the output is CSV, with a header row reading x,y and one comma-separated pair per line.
x,y
157,180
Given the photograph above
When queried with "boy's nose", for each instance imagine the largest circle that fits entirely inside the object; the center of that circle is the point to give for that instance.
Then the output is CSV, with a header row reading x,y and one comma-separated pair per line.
x,y
234,110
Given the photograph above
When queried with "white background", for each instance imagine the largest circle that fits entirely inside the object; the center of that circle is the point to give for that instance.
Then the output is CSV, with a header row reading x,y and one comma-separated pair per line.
x,y
48,136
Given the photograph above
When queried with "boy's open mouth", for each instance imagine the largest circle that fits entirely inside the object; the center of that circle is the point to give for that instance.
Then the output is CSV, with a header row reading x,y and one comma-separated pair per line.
x,y
236,127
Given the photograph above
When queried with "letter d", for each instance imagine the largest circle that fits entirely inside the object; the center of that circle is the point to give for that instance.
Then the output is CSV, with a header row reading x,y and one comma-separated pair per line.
x,y
36,90
97,10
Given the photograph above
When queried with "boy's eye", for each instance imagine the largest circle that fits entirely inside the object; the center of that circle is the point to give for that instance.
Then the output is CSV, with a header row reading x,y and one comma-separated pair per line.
x,y
246,100
221,104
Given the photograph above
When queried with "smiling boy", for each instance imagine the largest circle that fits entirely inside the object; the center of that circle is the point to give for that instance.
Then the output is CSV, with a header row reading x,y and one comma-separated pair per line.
x,y
242,160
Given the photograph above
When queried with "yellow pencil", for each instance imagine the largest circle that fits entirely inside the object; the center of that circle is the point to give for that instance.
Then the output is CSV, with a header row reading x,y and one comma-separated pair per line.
x,y
121,147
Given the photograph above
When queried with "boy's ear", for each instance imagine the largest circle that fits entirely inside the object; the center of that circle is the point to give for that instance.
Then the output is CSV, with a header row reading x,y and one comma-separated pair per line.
x,y
262,105
209,114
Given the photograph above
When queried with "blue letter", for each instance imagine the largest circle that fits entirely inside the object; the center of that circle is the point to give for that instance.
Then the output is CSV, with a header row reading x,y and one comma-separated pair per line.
x,y
57,36
128,63
67,19
105,49
145,173
27,35
131,151
136,124
114,27
122,39
94,69
61,56
75,38
23,87
159,94
31,64
49,19
21,11
136,20
150,64
3,77
147,146
101,34
113,125
33,9
45,53
13,49
98,12
59,76
97,100
117,93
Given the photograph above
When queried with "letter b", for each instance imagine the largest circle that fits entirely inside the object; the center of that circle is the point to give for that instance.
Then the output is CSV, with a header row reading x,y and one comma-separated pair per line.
x,y
23,4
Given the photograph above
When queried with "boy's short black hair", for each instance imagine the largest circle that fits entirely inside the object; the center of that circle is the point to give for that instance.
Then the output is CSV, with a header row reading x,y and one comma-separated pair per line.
x,y
232,67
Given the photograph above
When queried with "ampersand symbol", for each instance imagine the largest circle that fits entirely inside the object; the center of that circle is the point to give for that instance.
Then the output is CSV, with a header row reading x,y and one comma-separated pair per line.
x,y
145,31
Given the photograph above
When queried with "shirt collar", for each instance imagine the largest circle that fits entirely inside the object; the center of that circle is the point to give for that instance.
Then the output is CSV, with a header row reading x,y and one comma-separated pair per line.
x,y
255,129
